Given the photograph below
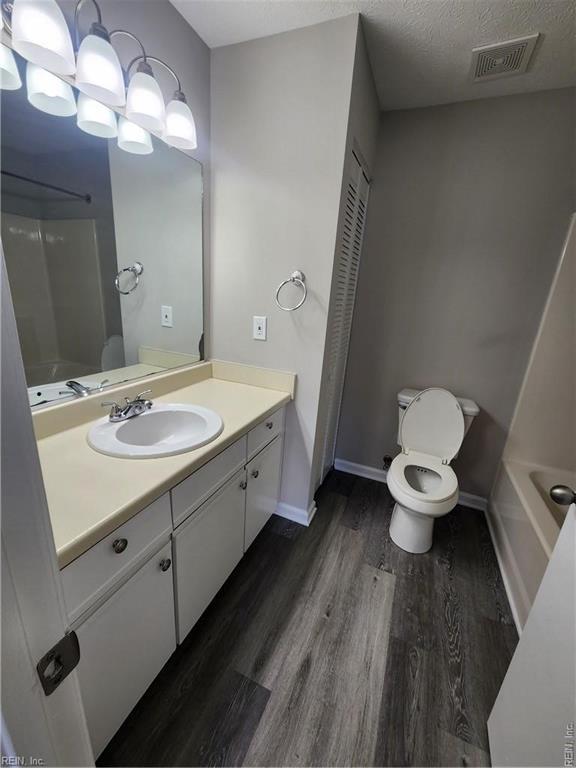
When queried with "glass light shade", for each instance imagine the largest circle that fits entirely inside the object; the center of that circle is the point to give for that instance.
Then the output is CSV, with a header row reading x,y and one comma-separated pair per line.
x,y
48,93
9,75
180,130
98,71
41,35
96,118
144,102
132,138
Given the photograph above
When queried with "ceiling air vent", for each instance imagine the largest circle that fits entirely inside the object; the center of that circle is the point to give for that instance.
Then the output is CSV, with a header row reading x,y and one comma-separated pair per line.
x,y
502,59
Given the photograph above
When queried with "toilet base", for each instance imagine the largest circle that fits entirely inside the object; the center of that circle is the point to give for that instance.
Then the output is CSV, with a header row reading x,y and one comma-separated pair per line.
x,y
411,531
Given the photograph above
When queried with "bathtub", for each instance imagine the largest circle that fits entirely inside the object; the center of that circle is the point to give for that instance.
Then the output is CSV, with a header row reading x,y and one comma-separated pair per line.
x,y
53,371
47,380
525,524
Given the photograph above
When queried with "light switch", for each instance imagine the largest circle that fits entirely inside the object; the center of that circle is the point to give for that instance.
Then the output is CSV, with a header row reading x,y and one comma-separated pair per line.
x,y
259,328
166,319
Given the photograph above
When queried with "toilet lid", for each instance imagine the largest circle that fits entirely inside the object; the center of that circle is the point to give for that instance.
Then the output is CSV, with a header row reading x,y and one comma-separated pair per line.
x,y
433,423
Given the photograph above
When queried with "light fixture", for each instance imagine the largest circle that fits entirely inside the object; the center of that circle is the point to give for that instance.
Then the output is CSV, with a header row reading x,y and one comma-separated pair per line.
x,y
9,75
48,93
144,100
96,118
134,139
180,128
40,33
98,70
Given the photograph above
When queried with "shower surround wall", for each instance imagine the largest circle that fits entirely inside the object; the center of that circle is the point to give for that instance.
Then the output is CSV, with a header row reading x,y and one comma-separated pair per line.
x,y
54,273
541,448
467,215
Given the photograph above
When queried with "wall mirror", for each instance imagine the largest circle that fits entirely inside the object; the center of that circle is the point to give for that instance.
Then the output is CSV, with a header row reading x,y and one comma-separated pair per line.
x,y
102,239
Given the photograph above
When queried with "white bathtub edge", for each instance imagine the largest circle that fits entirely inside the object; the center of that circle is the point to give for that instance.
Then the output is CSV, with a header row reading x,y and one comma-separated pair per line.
x,y
515,592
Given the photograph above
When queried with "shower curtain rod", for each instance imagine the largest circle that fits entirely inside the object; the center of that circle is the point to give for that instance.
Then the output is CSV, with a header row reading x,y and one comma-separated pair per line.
x,y
87,198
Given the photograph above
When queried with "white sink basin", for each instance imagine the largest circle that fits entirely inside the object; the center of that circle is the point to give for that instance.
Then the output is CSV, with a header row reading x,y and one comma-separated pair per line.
x,y
164,430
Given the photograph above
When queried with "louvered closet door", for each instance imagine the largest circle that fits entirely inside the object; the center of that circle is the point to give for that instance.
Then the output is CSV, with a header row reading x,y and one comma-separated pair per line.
x,y
347,267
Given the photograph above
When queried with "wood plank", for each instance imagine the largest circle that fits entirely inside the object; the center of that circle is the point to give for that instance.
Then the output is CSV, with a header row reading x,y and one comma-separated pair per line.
x,y
261,638
188,725
329,670
455,752
409,730
407,725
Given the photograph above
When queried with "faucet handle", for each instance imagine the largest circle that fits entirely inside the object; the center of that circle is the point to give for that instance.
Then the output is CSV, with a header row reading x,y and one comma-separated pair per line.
x,y
141,394
111,404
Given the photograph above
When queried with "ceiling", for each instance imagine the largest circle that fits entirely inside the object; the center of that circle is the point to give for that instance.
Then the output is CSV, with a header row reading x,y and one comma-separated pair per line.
x,y
420,50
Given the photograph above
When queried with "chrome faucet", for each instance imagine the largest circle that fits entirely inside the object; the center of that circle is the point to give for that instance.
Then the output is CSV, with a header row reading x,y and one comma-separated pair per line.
x,y
77,388
80,390
132,407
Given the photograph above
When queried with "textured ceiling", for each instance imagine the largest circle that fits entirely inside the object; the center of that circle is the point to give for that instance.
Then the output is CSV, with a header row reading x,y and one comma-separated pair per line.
x,y
420,50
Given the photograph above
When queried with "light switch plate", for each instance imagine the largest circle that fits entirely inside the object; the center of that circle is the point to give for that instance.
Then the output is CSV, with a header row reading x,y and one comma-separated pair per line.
x,y
166,316
259,328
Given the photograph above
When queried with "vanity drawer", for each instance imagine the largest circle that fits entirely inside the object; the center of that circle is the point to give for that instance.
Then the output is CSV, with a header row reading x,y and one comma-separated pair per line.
x,y
92,574
192,492
265,432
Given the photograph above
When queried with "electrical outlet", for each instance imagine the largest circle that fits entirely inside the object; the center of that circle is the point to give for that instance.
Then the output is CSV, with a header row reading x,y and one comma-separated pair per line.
x,y
166,316
259,328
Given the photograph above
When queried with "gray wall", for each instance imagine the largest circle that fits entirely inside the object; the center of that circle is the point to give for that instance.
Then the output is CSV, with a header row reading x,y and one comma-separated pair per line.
x,y
468,211
280,109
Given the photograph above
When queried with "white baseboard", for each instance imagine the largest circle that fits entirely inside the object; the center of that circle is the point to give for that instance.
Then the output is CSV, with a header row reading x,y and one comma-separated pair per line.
x,y
362,470
296,514
380,475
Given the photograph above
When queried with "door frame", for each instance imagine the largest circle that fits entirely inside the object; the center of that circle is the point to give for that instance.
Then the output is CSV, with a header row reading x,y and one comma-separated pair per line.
x,y
34,726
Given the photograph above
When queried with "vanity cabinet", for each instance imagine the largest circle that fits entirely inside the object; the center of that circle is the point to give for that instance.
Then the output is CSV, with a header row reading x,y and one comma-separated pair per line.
x,y
124,644
263,485
142,588
94,574
207,548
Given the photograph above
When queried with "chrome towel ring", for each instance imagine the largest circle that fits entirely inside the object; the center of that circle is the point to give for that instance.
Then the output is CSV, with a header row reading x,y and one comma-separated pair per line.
x,y
298,278
136,270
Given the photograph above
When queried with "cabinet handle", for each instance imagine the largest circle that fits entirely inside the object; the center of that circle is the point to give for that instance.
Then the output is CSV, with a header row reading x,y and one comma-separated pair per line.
x,y
165,564
243,485
119,545
269,424
255,473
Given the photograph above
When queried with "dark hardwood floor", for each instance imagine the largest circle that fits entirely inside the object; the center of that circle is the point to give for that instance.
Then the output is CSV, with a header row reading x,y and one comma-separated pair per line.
x,y
330,646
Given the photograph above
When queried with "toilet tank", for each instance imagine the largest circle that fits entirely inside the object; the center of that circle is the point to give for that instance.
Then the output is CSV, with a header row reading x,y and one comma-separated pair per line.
x,y
405,397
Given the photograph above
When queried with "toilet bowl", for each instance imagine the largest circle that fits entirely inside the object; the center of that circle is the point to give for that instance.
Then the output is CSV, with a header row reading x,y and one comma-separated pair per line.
x,y
420,479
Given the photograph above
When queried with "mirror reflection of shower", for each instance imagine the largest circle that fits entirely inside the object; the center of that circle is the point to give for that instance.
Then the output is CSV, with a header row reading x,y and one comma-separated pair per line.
x,y
76,212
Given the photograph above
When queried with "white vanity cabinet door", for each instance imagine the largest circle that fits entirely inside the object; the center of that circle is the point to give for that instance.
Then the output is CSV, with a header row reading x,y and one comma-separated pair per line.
x,y
124,645
207,548
263,477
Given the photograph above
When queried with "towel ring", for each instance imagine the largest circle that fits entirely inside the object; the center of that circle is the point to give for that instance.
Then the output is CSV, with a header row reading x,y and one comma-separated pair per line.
x,y
297,278
136,270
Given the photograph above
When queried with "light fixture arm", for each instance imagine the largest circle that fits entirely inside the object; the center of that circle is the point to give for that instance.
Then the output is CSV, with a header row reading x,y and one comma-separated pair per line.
x,y
7,15
77,10
156,60
132,37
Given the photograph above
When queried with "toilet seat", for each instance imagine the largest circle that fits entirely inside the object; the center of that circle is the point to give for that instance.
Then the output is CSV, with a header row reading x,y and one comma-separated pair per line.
x,y
434,503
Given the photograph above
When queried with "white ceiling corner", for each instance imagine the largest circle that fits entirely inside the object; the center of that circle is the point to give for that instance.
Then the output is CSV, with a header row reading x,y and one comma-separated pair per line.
x,y
420,50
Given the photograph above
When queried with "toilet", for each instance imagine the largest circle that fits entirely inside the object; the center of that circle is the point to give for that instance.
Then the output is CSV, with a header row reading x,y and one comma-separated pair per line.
x,y
432,426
